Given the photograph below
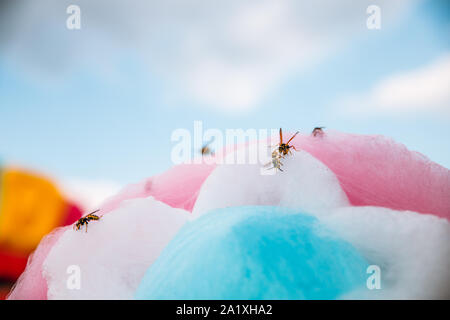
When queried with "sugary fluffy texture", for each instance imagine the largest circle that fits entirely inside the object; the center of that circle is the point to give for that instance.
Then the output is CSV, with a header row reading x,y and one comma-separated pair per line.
x,y
377,171
254,253
306,184
178,187
371,169
115,252
348,170
31,285
411,249
185,180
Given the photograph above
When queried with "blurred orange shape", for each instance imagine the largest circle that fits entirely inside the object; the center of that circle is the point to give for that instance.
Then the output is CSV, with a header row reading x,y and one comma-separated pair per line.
x,y
30,207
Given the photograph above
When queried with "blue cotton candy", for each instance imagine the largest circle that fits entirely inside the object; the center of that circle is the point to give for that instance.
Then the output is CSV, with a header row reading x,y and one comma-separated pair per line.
x,y
254,252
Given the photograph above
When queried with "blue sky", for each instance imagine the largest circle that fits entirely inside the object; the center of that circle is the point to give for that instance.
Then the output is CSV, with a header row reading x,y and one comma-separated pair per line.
x,y
113,120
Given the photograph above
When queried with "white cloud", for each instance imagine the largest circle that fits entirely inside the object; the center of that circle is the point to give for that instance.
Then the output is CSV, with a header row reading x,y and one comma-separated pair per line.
x,y
425,89
228,55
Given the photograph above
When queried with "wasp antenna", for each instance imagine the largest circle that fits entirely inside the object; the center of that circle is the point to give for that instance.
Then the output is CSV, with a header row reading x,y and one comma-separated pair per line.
x,y
292,137
92,212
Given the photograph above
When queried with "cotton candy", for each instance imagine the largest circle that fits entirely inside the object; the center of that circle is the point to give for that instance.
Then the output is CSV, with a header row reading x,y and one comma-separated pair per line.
x,y
31,285
254,253
354,187
377,171
305,184
177,187
115,252
187,178
411,249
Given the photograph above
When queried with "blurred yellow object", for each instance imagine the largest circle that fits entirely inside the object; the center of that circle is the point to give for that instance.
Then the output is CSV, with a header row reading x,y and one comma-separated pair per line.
x,y
30,207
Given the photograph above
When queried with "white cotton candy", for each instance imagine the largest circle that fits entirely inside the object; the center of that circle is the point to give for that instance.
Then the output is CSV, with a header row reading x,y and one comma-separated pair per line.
x,y
305,184
411,249
114,254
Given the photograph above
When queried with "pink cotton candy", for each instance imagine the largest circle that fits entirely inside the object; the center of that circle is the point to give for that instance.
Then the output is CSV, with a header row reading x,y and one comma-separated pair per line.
x,y
178,187
31,285
375,170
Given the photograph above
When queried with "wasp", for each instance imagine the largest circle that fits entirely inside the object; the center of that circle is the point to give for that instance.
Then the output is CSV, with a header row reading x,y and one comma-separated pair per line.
x,y
284,148
85,221
317,131
281,151
276,161
206,150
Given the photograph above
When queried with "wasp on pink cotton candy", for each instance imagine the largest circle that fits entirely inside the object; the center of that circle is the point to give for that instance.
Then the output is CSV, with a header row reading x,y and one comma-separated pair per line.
x,y
317,132
284,148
